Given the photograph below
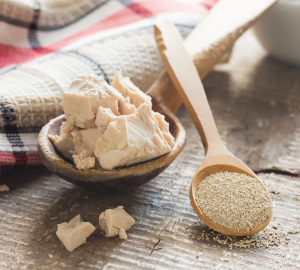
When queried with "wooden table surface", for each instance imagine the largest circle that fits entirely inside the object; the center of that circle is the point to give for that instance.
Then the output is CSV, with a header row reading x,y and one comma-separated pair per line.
x,y
256,103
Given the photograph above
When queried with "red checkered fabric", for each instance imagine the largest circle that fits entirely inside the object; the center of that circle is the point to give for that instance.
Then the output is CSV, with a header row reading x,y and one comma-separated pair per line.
x,y
45,44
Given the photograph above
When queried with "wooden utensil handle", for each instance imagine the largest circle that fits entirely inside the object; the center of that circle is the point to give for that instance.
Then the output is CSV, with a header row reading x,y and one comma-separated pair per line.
x,y
187,82
164,91
210,40
218,31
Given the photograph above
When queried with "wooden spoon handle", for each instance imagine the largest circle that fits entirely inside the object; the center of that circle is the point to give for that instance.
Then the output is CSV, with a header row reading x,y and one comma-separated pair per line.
x,y
187,81
164,91
210,40
218,31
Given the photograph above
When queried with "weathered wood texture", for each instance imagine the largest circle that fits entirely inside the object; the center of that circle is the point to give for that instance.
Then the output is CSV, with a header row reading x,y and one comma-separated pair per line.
x,y
255,101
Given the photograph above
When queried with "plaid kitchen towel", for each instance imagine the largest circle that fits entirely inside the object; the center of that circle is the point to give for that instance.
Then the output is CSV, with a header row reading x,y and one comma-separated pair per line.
x,y
45,44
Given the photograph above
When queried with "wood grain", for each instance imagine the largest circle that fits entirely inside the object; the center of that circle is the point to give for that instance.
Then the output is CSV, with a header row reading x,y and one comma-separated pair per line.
x,y
256,100
253,98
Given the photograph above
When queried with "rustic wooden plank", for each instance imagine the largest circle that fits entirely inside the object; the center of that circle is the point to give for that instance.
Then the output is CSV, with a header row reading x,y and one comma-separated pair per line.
x,y
167,234
256,102
253,114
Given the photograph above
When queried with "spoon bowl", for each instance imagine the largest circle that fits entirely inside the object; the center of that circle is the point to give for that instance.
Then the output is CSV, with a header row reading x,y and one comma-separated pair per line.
x,y
221,163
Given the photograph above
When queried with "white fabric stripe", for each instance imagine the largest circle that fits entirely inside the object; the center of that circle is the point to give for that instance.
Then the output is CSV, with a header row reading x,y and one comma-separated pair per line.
x,y
5,145
37,89
30,142
60,13
14,35
50,37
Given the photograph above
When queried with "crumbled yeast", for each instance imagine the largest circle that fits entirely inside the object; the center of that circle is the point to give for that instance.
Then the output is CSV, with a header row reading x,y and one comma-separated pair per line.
x,y
74,233
115,222
110,126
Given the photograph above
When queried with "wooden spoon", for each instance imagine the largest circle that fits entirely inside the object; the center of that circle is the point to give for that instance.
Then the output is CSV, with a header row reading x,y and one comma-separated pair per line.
x,y
218,38
217,158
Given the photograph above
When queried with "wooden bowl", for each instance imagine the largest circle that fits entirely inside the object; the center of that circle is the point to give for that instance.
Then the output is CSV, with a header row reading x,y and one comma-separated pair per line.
x,y
116,179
